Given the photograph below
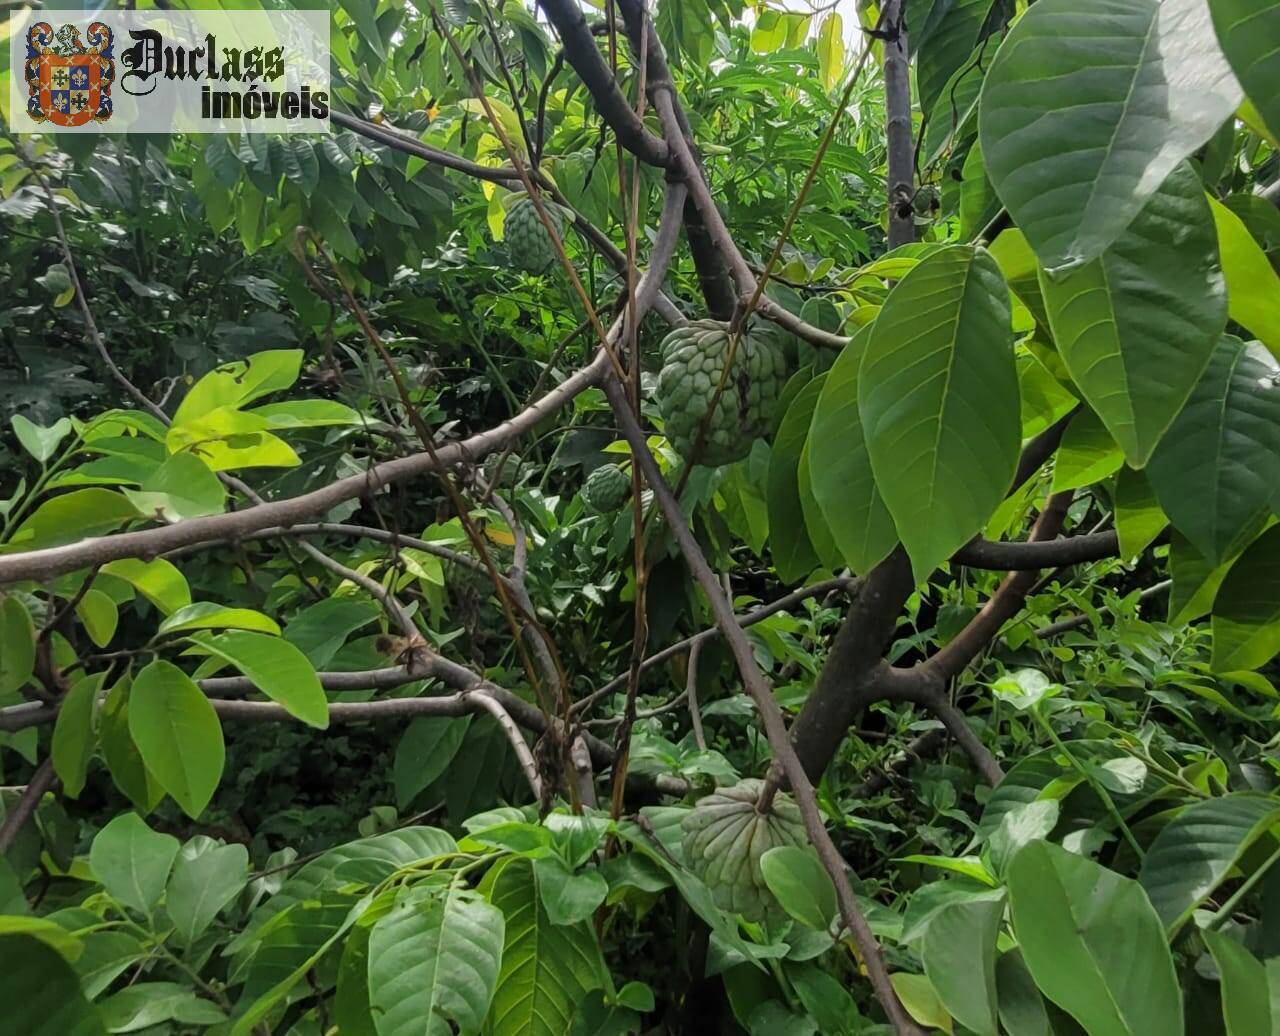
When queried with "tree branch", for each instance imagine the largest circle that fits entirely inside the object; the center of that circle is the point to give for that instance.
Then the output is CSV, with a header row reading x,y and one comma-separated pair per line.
x,y
581,52
767,704
41,781
151,543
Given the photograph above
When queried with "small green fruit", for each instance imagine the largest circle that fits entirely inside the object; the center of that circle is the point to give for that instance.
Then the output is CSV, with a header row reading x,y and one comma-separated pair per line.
x,y
694,359
528,242
725,837
606,488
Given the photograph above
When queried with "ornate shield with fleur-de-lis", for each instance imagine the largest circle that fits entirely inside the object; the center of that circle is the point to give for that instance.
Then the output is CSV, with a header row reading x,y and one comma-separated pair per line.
x,y
68,80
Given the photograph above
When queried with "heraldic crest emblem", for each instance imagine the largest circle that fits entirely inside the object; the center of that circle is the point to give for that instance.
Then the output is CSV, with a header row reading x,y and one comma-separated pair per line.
x,y
69,83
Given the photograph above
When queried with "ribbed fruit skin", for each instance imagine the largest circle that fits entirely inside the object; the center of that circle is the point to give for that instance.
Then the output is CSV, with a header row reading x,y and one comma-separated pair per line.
x,y
693,359
528,242
724,839
606,488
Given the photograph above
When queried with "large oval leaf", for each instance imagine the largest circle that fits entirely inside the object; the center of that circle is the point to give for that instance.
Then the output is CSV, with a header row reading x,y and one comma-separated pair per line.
x,y
1218,467
1246,611
206,877
206,615
546,968
1093,943
178,735
1196,850
1246,997
840,469
938,395
1089,105
277,668
959,956
40,992
1253,286
433,962
132,861
73,739
1137,325
17,645
793,553
1248,31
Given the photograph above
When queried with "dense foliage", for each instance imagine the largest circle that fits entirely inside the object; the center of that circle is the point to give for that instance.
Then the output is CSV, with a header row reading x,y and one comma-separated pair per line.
x,y
668,519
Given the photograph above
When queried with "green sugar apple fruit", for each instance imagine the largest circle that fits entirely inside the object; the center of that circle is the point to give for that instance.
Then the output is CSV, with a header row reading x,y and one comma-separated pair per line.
x,y
528,242
725,837
606,488
693,359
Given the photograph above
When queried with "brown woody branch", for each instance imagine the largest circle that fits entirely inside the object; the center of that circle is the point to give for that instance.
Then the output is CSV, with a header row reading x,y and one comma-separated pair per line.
x,y
151,543
581,52
770,712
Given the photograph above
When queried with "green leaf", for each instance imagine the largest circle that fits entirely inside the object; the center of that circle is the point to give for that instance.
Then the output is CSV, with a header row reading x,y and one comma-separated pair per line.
x,y
366,860
99,615
815,524
793,554
921,1000
106,956
831,50
1139,519
239,383
206,877
300,162
227,438
1217,469
52,935
318,631
205,615
959,957
73,740
800,884
307,413
1246,997
72,516
41,993
425,751
1253,286
938,395
568,897
433,962
1087,454
1196,851
1154,301
1246,612
178,735
840,469
825,998
41,443
1093,943
1089,105
159,581
277,668
148,1004
546,968
948,47
122,757
17,645
294,944
1248,31
1021,1007
132,861
182,487
979,202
